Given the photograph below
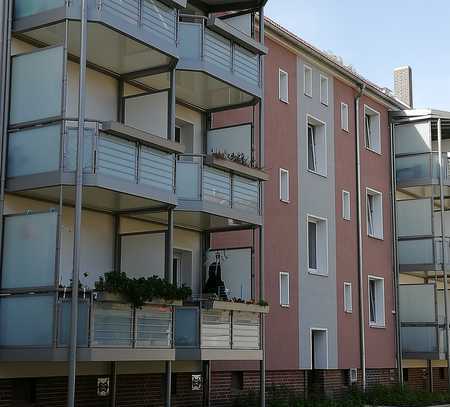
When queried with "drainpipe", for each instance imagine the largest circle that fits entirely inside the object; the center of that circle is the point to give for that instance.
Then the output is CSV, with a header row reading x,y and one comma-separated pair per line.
x,y
362,339
78,209
444,251
262,367
398,341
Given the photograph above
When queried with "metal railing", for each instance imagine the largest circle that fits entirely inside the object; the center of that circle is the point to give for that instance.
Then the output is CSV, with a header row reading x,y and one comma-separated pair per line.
x,y
197,181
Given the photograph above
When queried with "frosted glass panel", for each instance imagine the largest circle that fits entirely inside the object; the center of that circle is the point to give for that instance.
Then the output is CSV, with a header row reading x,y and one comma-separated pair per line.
x,y
190,35
26,320
417,303
29,250
34,151
236,139
413,138
186,327
419,339
64,315
188,180
70,150
414,217
24,8
418,251
36,85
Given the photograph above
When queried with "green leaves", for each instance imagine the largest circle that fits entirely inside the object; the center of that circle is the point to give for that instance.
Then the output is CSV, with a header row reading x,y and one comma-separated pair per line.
x,y
138,291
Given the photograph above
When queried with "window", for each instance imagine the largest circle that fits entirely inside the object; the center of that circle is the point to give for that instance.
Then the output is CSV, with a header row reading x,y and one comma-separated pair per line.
x,y
24,392
376,301
284,185
344,116
324,90
346,205
374,201
237,380
283,86
317,155
317,245
177,134
307,78
372,129
348,304
284,289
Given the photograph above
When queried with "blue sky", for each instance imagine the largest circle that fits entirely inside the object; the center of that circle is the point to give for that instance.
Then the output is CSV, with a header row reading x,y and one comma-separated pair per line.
x,y
378,36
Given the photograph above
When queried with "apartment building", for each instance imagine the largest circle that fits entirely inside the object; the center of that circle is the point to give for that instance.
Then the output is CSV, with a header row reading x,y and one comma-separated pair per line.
x,y
111,170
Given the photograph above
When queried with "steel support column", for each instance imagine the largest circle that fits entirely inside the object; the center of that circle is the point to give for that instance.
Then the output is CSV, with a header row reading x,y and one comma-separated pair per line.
x,y
169,278
78,209
262,366
171,106
444,251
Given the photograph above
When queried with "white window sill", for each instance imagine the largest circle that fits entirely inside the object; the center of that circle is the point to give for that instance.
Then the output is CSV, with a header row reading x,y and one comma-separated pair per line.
x,y
306,94
317,173
348,312
347,219
317,273
377,326
285,201
380,238
346,130
373,151
286,102
285,305
324,104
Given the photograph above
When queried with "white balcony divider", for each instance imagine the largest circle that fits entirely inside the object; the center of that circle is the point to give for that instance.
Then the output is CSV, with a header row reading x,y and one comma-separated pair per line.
x,y
36,85
29,250
234,139
215,329
27,320
414,217
246,330
34,150
25,8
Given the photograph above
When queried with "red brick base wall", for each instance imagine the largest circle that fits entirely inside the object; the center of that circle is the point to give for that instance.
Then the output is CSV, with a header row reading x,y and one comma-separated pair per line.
x,y
418,379
148,390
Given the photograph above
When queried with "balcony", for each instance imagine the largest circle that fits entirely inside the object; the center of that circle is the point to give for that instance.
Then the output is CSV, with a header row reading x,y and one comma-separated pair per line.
x,y
112,330
219,65
124,169
215,193
111,22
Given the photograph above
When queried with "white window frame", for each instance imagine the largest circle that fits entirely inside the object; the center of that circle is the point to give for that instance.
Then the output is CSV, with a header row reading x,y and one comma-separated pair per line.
x,y
308,90
324,98
311,345
381,323
348,300
369,111
283,98
286,275
346,195
283,198
344,123
369,216
320,162
317,271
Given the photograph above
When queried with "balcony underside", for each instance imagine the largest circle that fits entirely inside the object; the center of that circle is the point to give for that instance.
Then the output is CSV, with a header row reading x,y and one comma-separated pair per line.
x,y
217,354
204,218
225,5
107,48
99,192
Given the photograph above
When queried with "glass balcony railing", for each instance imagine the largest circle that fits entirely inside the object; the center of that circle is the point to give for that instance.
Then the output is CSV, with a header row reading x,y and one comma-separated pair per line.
x,y
420,167
426,251
423,338
197,181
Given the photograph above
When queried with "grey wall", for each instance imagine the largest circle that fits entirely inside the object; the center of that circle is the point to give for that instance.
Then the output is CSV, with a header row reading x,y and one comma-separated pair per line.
x,y
317,294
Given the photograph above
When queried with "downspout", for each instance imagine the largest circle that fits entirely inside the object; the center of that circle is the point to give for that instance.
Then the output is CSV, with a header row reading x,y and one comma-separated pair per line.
x,y
395,260
362,339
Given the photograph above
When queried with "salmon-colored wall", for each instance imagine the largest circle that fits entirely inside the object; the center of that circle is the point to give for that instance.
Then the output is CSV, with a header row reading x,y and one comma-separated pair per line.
x,y
281,240
378,254
346,230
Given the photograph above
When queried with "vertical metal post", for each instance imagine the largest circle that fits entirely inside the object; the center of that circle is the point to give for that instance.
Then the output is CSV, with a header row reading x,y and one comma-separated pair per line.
x,y
5,84
262,367
78,209
395,260
113,383
444,251
120,101
169,278
430,376
206,383
171,100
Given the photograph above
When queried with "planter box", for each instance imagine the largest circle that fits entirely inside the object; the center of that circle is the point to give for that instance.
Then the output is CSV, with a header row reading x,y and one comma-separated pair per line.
x,y
237,306
105,296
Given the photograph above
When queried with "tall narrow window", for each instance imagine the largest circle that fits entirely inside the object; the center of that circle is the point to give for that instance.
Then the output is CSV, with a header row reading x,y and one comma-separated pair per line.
x,y
312,245
346,205
177,134
372,129
344,116
284,185
307,78
283,86
348,304
317,245
376,302
284,289
374,200
324,90
312,163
